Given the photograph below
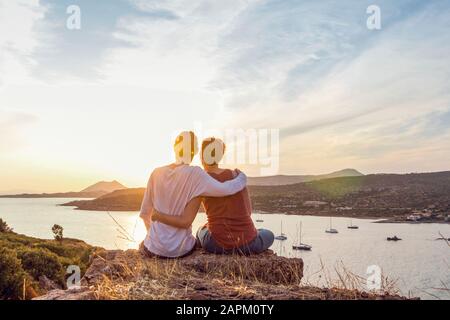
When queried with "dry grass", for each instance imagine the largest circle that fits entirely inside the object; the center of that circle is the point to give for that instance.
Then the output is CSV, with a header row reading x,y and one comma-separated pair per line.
x,y
191,278
341,278
445,290
201,277
445,239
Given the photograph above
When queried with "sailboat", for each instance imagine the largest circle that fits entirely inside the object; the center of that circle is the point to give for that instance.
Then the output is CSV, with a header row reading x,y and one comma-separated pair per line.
x,y
352,226
300,245
331,230
282,236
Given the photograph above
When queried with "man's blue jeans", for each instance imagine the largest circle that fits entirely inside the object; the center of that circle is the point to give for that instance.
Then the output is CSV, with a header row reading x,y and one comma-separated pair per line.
x,y
261,243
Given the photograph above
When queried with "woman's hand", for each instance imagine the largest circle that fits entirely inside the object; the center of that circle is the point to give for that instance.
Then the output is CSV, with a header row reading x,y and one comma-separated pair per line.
x,y
155,215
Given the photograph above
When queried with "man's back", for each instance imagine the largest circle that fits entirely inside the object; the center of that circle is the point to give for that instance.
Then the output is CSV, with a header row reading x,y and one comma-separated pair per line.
x,y
169,189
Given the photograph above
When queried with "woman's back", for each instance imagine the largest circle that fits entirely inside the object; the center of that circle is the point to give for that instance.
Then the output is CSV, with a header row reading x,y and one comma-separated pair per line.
x,y
229,218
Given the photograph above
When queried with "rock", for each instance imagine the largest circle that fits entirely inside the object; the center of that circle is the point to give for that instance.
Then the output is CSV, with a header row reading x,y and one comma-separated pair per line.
x,y
83,293
113,264
266,267
130,275
128,266
47,285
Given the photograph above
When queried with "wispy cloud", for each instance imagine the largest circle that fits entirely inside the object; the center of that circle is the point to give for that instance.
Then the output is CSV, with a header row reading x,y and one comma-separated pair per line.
x,y
19,39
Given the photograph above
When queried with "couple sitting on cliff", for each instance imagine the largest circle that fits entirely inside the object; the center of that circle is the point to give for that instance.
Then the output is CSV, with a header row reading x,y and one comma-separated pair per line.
x,y
173,197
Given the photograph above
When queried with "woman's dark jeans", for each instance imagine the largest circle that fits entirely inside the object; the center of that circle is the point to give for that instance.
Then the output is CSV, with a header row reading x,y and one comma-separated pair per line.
x,y
261,243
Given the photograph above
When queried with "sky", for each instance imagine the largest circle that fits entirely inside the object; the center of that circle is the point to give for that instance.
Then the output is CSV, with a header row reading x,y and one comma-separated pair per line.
x,y
103,102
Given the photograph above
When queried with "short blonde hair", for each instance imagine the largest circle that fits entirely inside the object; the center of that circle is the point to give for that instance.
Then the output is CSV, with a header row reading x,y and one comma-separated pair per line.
x,y
185,147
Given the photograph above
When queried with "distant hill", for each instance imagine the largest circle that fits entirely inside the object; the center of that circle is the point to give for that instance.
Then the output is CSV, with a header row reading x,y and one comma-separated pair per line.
x,y
287,180
119,200
105,186
56,195
94,191
375,195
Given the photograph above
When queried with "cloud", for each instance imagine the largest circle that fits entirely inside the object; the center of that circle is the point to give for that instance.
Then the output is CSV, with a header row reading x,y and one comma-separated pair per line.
x,y
389,70
347,96
19,39
178,54
341,94
12,125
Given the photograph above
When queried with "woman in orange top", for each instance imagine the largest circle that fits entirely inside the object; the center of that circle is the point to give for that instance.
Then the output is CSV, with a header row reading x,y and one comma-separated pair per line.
x,y
230,227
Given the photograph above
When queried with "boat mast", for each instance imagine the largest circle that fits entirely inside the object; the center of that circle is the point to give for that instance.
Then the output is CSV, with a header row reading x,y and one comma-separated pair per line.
x,y
300,235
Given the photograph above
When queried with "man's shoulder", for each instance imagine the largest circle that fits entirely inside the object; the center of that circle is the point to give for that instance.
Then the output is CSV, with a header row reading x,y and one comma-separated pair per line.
x,y
162,168
178,170
157,172
195,173
196,170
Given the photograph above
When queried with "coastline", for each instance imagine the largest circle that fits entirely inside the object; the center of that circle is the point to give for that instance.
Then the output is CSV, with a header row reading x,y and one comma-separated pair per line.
x,y
387,220
376,218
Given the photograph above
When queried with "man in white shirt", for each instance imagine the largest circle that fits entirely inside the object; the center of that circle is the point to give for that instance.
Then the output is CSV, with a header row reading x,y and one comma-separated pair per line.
x,y
170,189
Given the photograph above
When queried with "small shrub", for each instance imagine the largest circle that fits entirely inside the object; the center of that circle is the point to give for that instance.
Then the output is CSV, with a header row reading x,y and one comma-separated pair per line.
x,y
28,258
56,248
41,262
58,232
4,228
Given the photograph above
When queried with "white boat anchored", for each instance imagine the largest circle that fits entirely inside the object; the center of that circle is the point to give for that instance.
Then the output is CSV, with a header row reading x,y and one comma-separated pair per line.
x,y
331,230
282,236
352,226
300,245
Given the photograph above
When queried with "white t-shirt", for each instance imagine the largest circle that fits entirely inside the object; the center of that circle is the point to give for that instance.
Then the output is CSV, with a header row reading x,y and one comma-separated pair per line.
x,y
169,190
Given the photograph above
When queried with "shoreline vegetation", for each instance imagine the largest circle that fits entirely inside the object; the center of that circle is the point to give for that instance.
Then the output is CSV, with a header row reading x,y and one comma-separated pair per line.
x,y
30,267
404,198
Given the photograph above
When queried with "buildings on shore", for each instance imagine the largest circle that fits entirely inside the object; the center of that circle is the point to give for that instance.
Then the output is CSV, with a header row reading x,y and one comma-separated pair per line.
x,y
427,215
